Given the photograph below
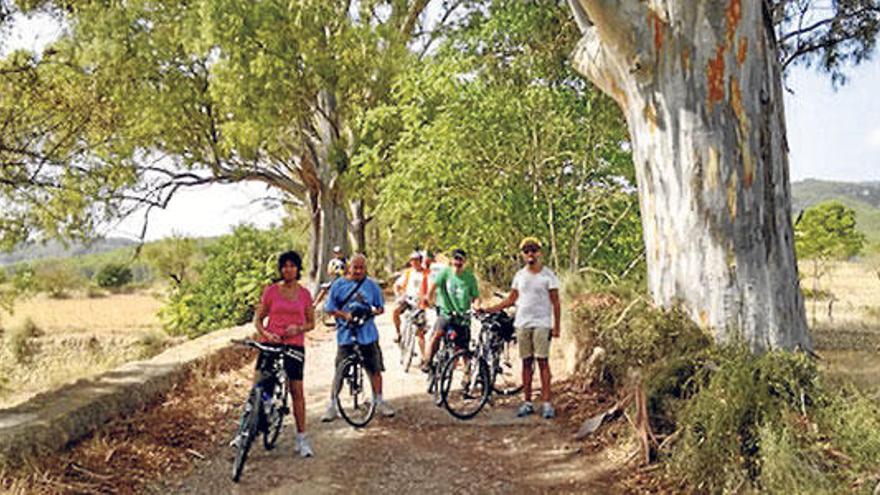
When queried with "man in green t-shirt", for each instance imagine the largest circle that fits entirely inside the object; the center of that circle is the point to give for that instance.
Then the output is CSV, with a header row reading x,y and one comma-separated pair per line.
x,y
457,291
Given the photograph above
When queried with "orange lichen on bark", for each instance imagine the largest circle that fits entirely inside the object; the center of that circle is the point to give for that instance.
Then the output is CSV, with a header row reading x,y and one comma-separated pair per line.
x,y
744,128
715,76
685,59
657,23
734,15
742,51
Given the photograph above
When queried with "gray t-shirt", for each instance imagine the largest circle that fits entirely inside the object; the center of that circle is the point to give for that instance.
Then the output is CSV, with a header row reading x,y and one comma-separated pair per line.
x,y
533,306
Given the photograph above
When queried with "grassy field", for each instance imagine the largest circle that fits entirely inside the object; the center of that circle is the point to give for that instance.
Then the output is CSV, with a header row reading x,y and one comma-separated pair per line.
x,y
848,339
49,342
854,319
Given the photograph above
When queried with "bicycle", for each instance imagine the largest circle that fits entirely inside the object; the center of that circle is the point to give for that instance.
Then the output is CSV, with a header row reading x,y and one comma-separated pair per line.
x,y
415,322
359,407
267,403
444,353
496,339
464,379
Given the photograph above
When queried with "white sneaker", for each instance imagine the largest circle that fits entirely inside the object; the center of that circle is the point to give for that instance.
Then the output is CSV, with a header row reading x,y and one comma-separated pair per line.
x,y
385,409
304,448
330,414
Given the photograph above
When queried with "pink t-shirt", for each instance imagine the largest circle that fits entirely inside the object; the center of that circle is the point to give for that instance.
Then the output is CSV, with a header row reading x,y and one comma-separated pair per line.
x,y
283,312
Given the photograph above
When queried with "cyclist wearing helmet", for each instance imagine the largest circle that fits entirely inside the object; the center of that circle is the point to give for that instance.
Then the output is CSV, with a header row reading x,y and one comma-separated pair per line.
x,y
407,288
336,266
459,291
535,292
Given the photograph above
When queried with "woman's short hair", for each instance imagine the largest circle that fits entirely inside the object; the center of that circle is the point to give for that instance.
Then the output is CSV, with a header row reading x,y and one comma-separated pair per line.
x,y
291,257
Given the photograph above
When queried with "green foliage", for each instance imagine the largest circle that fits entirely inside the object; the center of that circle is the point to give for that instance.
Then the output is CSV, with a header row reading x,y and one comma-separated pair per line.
x,y
862,197
828,231
113,276
57,278
497,138
229,282
741,422
173,258
634,335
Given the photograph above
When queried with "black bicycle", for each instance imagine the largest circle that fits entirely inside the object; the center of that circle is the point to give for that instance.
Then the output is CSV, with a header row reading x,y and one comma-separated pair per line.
x,y
353,390
497,337
464,381
267,403
444,352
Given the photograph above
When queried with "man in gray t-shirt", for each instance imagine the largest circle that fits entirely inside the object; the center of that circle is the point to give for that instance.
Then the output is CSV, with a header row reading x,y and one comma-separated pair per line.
x,y
535,292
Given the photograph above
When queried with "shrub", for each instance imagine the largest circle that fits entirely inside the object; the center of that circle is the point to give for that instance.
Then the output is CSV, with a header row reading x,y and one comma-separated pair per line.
x,y
93,292
742,422
57,278
113,276
20,341
230,280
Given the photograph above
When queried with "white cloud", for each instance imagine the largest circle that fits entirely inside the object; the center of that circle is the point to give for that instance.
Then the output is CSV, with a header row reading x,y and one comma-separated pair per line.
x,y
873,140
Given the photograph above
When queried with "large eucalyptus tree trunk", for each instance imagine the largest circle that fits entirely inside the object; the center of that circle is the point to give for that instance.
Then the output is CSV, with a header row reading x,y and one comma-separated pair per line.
x,y
700,86
320,173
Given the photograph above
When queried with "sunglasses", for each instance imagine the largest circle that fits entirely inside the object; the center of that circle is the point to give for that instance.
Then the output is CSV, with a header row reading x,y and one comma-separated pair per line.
x,y
530,249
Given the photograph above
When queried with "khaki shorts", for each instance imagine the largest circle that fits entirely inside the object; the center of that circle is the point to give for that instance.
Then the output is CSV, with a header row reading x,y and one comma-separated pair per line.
x,y
533,342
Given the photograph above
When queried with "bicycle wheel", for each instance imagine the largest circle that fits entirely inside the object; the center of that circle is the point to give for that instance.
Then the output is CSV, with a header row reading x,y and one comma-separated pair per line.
x,y
247,430
506,372
275,418
464,385
409,348
354,393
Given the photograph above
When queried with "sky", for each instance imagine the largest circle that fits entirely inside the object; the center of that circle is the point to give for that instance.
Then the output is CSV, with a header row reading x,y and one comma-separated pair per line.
x,y
832,134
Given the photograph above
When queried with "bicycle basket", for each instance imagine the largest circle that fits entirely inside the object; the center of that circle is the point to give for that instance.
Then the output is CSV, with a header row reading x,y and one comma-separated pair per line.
x,y
500,324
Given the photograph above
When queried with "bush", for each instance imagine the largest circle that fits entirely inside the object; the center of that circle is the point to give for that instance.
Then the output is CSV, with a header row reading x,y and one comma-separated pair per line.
x,y
113,276
20,341
229,283
57,278
93,292
742,422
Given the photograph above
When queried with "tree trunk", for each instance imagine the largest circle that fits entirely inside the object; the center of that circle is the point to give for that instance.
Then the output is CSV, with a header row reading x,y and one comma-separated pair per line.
x,y
358,227
328,224
320,173
700,85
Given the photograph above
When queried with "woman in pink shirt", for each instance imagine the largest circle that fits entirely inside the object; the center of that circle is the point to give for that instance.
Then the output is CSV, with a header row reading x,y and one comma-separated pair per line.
x,y
288,307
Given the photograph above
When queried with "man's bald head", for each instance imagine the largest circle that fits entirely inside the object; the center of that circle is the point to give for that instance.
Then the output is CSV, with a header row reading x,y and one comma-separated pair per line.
x,y
358,266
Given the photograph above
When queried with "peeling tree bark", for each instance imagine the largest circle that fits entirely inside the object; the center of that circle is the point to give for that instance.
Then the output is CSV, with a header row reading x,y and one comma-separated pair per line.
x,y
700,85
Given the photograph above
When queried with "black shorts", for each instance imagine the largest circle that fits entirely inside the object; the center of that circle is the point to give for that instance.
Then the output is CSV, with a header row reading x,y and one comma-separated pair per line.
x,y
372,354
462,328
292,367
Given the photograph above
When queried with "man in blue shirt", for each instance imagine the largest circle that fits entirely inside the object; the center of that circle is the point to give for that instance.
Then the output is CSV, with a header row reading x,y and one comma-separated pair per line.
x,y
349,297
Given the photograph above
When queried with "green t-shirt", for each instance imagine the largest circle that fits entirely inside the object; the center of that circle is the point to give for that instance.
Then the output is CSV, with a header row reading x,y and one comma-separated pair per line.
x,y
455,292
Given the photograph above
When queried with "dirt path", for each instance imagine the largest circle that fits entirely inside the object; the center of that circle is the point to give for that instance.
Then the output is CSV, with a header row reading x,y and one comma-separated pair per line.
x,y
422,448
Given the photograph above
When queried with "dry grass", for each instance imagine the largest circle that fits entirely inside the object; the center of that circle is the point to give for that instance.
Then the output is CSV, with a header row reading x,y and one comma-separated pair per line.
x,y
77,338
854,320
131,452
116,314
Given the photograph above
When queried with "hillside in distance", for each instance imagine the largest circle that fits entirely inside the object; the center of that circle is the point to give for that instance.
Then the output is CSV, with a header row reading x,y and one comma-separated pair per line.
x,y
55,249
863,197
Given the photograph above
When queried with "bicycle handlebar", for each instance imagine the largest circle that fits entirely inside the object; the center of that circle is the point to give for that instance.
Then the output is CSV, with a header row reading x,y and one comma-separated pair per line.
x,y
267,348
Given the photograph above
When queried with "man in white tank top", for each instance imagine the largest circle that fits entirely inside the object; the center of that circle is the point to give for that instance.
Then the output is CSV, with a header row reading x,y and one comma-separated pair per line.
x,y
535,292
